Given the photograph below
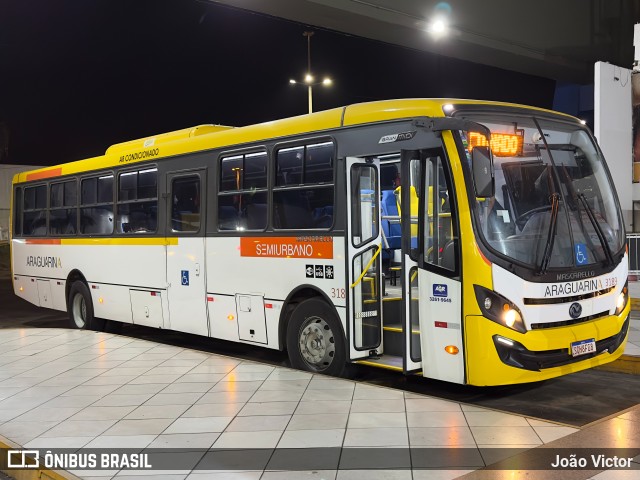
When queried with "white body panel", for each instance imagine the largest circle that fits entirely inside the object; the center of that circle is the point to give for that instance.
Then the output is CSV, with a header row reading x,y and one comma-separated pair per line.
x,y
110,270
440,313
117,273
231,273
146,308
44,293
516,289
186,290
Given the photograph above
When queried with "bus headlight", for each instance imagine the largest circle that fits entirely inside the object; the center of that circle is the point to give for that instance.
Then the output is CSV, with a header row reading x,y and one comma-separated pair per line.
x,y
623,298
497,308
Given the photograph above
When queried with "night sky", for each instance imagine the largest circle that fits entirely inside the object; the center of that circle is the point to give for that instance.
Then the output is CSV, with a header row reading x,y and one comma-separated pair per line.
x,y
79,75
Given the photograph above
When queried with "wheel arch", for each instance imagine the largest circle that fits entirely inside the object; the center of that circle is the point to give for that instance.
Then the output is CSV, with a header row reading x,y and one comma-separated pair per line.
x,y
73,276
297,295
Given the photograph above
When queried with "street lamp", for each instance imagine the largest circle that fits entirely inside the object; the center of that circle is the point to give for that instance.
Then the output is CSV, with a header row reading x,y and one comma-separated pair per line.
x,y
309,80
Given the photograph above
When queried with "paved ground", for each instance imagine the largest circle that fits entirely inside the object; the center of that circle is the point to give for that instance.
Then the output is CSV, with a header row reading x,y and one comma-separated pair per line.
x,y
576,399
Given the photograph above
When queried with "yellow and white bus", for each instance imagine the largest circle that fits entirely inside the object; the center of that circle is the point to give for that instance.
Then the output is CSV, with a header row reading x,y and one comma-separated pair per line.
x,y
474,242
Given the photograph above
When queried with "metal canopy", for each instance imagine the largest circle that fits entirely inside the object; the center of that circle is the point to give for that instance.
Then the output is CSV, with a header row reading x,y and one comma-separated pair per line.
x,y
559,39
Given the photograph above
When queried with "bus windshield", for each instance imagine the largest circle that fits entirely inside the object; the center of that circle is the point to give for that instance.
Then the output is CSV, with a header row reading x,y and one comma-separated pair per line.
x,y
554,204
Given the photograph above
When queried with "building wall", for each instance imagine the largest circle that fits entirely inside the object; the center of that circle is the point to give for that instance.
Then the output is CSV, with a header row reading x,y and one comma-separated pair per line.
x,y
612,122
6,175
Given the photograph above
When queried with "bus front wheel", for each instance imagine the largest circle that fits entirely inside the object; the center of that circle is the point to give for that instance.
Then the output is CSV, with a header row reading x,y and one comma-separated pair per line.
x,y
81,308
314,338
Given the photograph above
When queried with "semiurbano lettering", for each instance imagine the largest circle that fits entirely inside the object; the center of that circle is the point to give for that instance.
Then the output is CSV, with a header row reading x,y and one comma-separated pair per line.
x,y
284,250
129,157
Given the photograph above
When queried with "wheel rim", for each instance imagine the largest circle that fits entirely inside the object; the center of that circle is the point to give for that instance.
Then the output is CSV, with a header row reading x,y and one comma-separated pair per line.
x,y
317,344
79,310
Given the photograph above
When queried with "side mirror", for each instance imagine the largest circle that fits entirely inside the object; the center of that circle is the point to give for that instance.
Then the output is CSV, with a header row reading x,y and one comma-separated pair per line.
x,y
482,168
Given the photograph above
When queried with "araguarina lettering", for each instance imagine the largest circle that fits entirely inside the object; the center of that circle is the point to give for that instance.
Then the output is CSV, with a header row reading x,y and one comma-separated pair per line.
x,y
571,288
44,262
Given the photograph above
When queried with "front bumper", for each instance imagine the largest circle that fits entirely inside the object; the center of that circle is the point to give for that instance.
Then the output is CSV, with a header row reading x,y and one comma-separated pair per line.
x,y
538,354
517,355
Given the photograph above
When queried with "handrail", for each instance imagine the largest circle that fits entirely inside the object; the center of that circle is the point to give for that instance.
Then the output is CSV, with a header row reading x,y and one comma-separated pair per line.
x,y
353,285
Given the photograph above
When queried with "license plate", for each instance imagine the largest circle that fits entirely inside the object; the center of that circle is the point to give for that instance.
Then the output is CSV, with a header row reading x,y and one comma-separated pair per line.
x,y
583,347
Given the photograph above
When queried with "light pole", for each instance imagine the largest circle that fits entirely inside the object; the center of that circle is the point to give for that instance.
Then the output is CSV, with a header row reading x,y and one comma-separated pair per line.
x,y
308,79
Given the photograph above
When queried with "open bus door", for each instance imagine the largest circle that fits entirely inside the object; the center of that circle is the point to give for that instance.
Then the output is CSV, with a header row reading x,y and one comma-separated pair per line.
x,y
364,281
431,268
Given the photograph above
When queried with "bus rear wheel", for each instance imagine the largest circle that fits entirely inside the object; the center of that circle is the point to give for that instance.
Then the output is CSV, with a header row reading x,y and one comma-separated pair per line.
x,y
80,308
314,338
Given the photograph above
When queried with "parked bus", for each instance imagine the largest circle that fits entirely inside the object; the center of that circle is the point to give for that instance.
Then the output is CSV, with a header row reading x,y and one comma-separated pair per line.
x,y
473,242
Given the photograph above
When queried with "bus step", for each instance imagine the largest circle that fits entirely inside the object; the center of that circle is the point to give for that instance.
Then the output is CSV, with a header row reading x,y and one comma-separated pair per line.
x,y
396,327
394,338
390,362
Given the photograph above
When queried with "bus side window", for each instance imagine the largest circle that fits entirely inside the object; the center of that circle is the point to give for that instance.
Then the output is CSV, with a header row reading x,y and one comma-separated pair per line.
x,y
242,197
34,219
138,201
63,212
17,212
303,193
96,205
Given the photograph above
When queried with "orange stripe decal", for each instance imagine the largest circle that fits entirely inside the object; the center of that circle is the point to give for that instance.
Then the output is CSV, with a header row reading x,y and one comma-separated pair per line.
x,y
54,172
43,241
287,247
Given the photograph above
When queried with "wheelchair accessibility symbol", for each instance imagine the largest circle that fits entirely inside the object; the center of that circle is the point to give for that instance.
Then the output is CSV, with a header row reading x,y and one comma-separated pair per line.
x,y
581,254
185,277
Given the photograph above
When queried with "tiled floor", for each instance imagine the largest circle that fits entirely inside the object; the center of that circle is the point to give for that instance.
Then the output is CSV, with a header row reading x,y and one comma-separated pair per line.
x,y
65,388
633,342
73,389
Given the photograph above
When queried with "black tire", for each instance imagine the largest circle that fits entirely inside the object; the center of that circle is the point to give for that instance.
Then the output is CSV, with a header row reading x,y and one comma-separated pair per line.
x,y
80,308
314,338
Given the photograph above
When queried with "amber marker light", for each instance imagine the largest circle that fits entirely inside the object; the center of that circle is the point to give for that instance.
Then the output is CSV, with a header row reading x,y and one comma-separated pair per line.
x,y
231,317
101,300
451,349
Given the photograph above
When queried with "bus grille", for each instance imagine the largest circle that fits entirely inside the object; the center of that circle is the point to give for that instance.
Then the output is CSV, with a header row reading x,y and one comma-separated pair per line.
x,y
573,321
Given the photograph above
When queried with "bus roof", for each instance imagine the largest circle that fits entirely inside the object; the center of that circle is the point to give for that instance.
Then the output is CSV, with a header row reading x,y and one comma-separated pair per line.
x,y
205,137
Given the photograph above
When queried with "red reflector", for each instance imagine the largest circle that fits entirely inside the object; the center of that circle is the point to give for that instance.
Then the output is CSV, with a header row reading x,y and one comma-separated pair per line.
x,y
441,324
268,305
209,299
33,280
59,283
94,286
153,294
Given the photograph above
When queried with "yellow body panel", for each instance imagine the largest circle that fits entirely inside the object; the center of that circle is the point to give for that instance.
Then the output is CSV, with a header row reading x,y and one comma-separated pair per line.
x,y
484,367
205,137
164,138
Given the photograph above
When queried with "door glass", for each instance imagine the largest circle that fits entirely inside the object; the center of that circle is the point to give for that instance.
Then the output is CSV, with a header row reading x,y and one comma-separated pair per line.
x,y
364,204
366,299
185,204
440,237
414,315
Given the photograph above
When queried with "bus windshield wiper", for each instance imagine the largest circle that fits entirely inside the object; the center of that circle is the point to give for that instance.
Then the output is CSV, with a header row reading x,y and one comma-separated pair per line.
x,y
551,234
597,227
